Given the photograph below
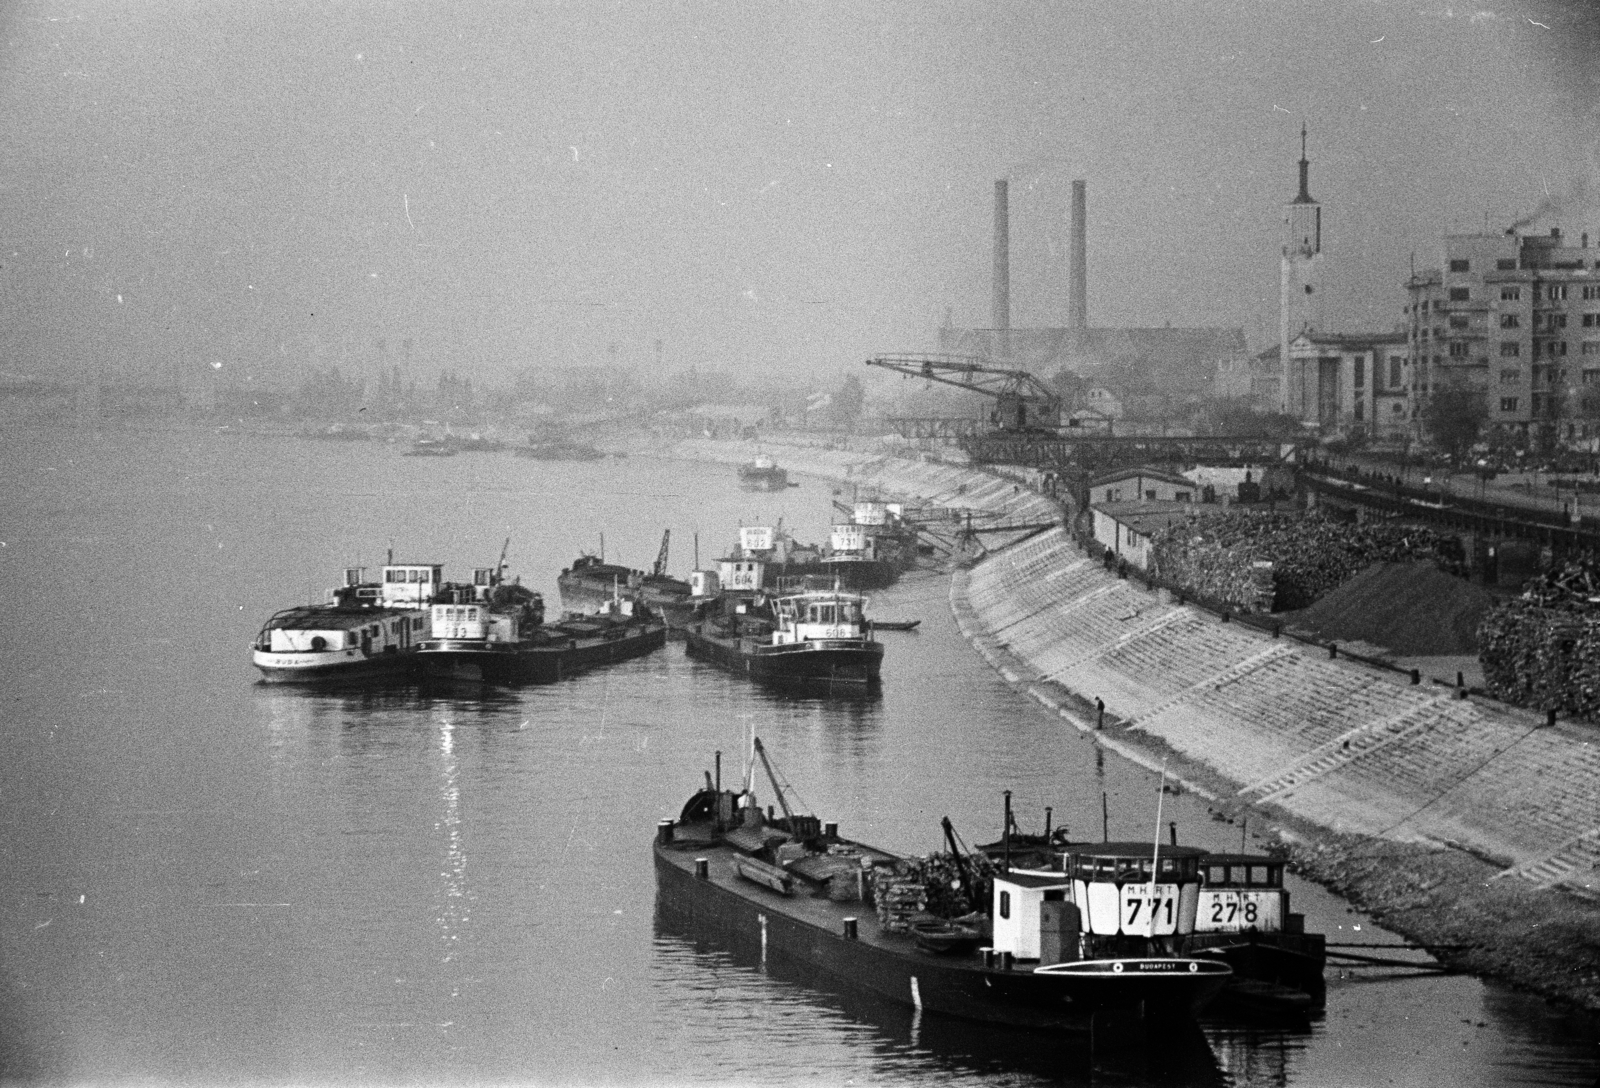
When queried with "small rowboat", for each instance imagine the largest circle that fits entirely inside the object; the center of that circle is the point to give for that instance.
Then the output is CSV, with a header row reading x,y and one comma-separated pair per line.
x,y
943,936
895,625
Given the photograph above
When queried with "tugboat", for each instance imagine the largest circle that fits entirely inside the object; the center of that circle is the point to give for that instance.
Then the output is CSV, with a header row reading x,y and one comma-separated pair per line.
x,y
1243,919
366,630
1056,947
813,637
763,474
853,560
494,632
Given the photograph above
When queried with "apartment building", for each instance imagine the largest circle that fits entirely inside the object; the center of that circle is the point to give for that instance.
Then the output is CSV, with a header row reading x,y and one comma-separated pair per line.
x,y
1518,317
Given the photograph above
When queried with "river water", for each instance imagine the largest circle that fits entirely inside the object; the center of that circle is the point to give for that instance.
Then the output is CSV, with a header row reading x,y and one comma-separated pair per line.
x,y
209,879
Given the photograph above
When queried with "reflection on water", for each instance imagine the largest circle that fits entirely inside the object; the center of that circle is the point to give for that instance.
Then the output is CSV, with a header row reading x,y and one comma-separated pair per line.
x,y
909,1045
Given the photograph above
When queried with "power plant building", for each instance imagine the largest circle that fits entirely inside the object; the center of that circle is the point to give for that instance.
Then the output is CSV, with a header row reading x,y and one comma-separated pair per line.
x,y
1148,371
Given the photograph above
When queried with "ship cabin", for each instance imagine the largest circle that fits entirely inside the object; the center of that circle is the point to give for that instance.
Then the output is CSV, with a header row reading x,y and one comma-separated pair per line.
x,y
314,630
476,621
704,584
759,542
740,575
871,513
1244,893
410,585
1097,900
852,542
818,617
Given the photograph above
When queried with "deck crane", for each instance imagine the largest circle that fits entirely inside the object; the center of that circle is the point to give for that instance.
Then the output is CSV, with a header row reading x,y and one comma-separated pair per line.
x,y
1022,402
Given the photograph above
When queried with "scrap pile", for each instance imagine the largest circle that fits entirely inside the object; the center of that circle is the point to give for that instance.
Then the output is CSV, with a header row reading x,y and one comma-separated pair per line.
x,y
1227,558
1542,649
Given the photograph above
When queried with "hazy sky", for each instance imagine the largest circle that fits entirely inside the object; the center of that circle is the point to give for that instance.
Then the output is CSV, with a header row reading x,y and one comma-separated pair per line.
x,y
757,185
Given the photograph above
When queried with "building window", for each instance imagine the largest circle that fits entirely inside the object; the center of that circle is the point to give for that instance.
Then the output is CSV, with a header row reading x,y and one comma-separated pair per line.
x,y
1509,321
1005,904
1394,372
1510,294
1458,349
1460,266
1591,292
1591,347
1360,412
1506,264
1150,494
1510,377
1591,377
1558,347
1555,321
1556,292
1462,294
1591,320
1180,496
1459,322
1359,365
1508,404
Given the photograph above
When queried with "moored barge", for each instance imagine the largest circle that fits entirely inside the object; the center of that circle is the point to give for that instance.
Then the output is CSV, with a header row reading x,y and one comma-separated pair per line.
x,y
810,638
494,632
851,911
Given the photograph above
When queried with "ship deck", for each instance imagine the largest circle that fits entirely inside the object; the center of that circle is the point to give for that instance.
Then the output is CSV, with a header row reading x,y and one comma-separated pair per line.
x,y
808,903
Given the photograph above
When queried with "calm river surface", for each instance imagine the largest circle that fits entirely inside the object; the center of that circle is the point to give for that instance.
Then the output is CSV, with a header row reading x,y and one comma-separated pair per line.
x,y
207,879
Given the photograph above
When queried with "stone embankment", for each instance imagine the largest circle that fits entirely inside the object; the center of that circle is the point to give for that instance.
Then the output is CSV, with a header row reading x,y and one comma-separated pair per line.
x,y
1456,821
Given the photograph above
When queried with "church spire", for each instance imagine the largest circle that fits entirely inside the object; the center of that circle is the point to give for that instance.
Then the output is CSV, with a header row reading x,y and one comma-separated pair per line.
x,y
1305,171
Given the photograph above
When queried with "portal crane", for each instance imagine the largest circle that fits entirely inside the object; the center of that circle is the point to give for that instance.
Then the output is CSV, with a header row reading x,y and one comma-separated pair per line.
x,y
1022,402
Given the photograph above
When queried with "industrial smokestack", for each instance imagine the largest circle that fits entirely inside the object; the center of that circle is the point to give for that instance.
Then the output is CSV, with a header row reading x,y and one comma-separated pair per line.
x,y
1078,261
1002,259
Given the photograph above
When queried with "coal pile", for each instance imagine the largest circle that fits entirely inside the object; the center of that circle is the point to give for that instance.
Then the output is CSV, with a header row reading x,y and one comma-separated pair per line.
x,y
1411,609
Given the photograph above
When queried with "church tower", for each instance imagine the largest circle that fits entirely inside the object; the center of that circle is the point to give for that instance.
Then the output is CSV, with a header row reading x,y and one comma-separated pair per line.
x,y
1300,280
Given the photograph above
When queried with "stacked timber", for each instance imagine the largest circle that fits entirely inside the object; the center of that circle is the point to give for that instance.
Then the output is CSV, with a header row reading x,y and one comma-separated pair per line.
x,y
899,897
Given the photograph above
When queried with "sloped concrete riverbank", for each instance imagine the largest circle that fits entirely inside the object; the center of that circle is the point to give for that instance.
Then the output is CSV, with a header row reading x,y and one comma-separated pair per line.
x,y
1458,822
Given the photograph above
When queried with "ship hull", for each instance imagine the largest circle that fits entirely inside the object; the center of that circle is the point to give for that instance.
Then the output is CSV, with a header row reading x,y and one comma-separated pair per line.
x,y
851,575
472,661
334,666
812,931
